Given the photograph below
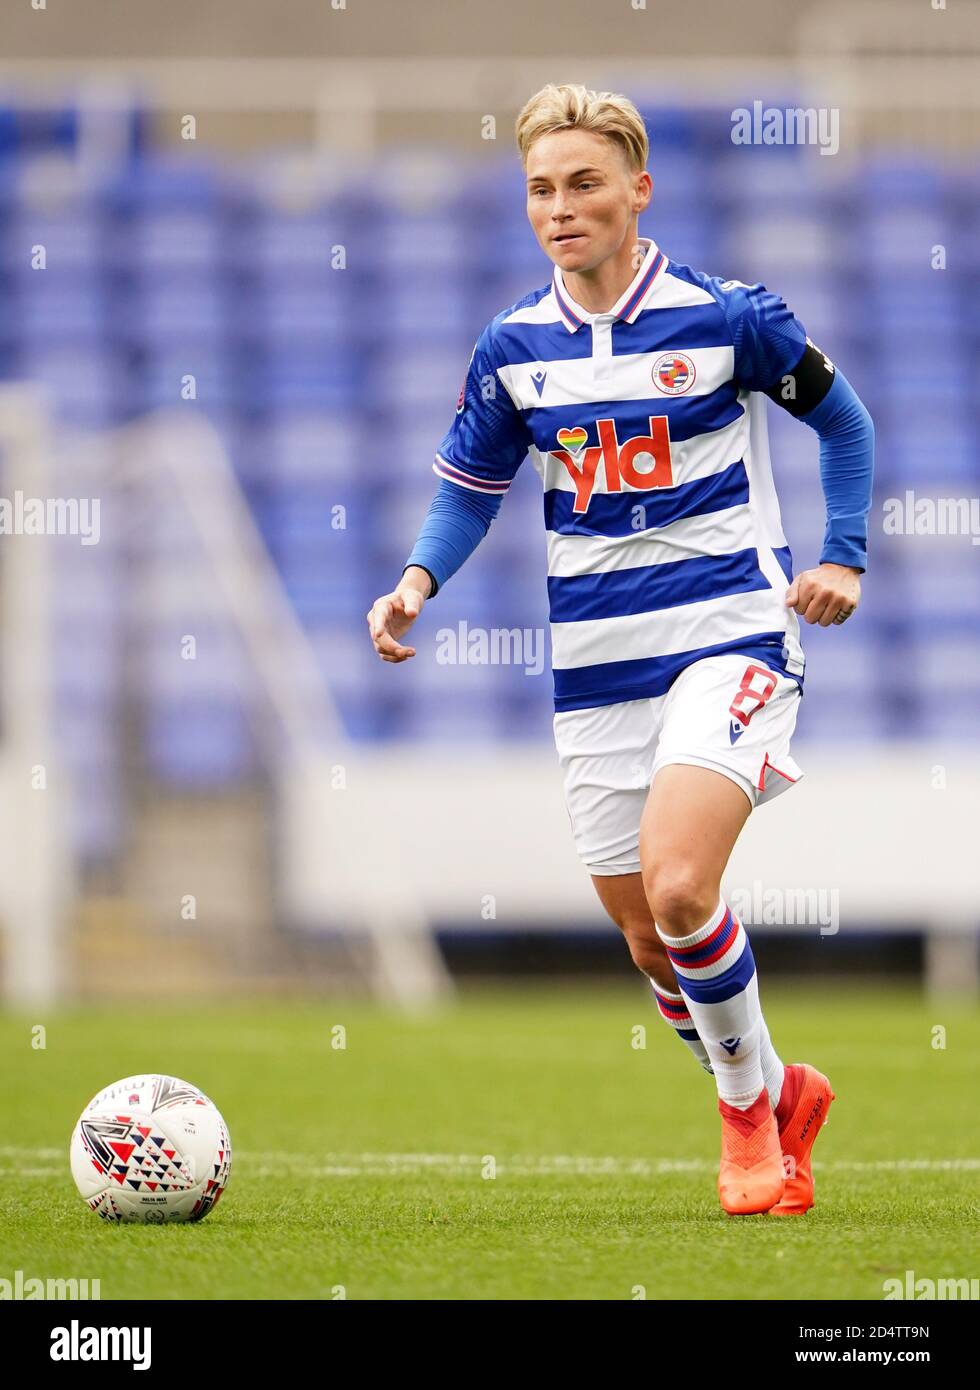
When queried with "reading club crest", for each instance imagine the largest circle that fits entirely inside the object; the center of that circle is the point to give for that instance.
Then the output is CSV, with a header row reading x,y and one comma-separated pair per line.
x,y
673,373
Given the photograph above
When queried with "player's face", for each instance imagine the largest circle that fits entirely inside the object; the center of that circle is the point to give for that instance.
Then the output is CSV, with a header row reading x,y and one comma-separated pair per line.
x,y
582,197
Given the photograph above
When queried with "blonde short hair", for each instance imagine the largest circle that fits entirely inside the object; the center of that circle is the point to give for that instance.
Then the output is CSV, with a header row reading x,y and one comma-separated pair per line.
x,y
570,106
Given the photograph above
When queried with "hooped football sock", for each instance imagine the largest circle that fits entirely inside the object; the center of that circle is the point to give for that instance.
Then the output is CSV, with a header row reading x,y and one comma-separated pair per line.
x,y
716,974
772,1068
673,1010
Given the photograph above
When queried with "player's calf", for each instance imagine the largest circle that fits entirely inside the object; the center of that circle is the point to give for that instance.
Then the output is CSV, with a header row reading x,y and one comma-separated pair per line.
x,y
623,897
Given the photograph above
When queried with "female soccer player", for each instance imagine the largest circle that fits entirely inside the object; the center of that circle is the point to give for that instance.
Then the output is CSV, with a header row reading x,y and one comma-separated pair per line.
x,y
636,385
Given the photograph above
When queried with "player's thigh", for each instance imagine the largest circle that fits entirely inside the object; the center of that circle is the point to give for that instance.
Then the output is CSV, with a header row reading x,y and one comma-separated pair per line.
x,y
691,821
722,748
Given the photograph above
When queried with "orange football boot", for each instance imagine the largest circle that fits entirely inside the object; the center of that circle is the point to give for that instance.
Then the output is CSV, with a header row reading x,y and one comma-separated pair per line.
x,y
751,1176
803,1105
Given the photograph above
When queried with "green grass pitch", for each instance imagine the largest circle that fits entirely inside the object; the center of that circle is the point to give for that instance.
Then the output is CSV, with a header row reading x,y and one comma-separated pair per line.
x,y
368,1168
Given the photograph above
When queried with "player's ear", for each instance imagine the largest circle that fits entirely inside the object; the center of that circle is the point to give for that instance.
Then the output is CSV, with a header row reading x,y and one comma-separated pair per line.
x,y
643,191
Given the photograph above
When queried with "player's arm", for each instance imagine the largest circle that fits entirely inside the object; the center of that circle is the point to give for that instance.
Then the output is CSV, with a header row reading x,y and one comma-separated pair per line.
x,y
476,463
456,522
820,395
774,355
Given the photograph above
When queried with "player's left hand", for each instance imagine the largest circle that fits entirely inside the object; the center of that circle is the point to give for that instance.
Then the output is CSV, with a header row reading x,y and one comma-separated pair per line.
x,y
825,595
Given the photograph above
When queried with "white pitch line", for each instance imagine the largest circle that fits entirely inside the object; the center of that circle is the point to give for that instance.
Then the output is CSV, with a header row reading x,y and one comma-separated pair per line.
x,y
12,1151
29,1162
556,1165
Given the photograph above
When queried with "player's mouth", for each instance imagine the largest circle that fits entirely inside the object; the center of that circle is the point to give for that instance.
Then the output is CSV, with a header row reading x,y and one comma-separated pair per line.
x,y
568,238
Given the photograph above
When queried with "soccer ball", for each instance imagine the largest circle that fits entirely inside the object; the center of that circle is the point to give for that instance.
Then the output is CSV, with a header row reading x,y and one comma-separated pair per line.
x,y
151,1148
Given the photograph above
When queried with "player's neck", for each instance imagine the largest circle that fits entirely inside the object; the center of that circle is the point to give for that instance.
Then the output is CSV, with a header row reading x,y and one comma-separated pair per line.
x,y
597,290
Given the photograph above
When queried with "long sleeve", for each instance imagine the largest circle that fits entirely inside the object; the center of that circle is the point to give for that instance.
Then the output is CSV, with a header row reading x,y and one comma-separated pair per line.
x,y
455,524
847,440
773,354
476,460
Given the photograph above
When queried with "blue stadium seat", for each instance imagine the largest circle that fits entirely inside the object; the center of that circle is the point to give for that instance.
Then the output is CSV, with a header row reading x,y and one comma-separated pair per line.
x,y
783,244
84,382
163,238
165,378
73,235
58,303
167,182
298,447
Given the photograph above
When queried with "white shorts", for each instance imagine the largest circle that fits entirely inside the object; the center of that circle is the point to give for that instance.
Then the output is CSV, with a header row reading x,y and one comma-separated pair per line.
x,y
727,712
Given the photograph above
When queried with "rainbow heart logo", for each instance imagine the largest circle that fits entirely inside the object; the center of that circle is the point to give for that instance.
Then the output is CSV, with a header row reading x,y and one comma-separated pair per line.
x,y
573,439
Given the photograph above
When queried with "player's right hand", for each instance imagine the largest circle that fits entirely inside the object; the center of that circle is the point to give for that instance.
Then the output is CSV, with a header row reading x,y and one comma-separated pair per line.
x,y
390,618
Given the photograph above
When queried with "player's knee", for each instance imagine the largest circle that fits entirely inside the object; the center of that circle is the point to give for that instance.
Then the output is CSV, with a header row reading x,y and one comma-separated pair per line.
x,y
680,901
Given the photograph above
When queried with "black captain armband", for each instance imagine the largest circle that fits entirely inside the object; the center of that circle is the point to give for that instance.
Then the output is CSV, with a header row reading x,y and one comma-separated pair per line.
x,y
802,389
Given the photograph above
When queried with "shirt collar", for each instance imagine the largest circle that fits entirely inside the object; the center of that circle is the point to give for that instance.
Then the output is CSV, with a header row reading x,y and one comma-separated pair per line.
x,y
630,303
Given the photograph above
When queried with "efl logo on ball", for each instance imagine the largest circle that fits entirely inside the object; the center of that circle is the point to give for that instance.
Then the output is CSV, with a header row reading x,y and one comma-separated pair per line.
x,y
673,373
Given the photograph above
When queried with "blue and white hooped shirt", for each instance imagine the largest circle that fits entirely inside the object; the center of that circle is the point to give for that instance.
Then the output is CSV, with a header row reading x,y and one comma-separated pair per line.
x,y
647,427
